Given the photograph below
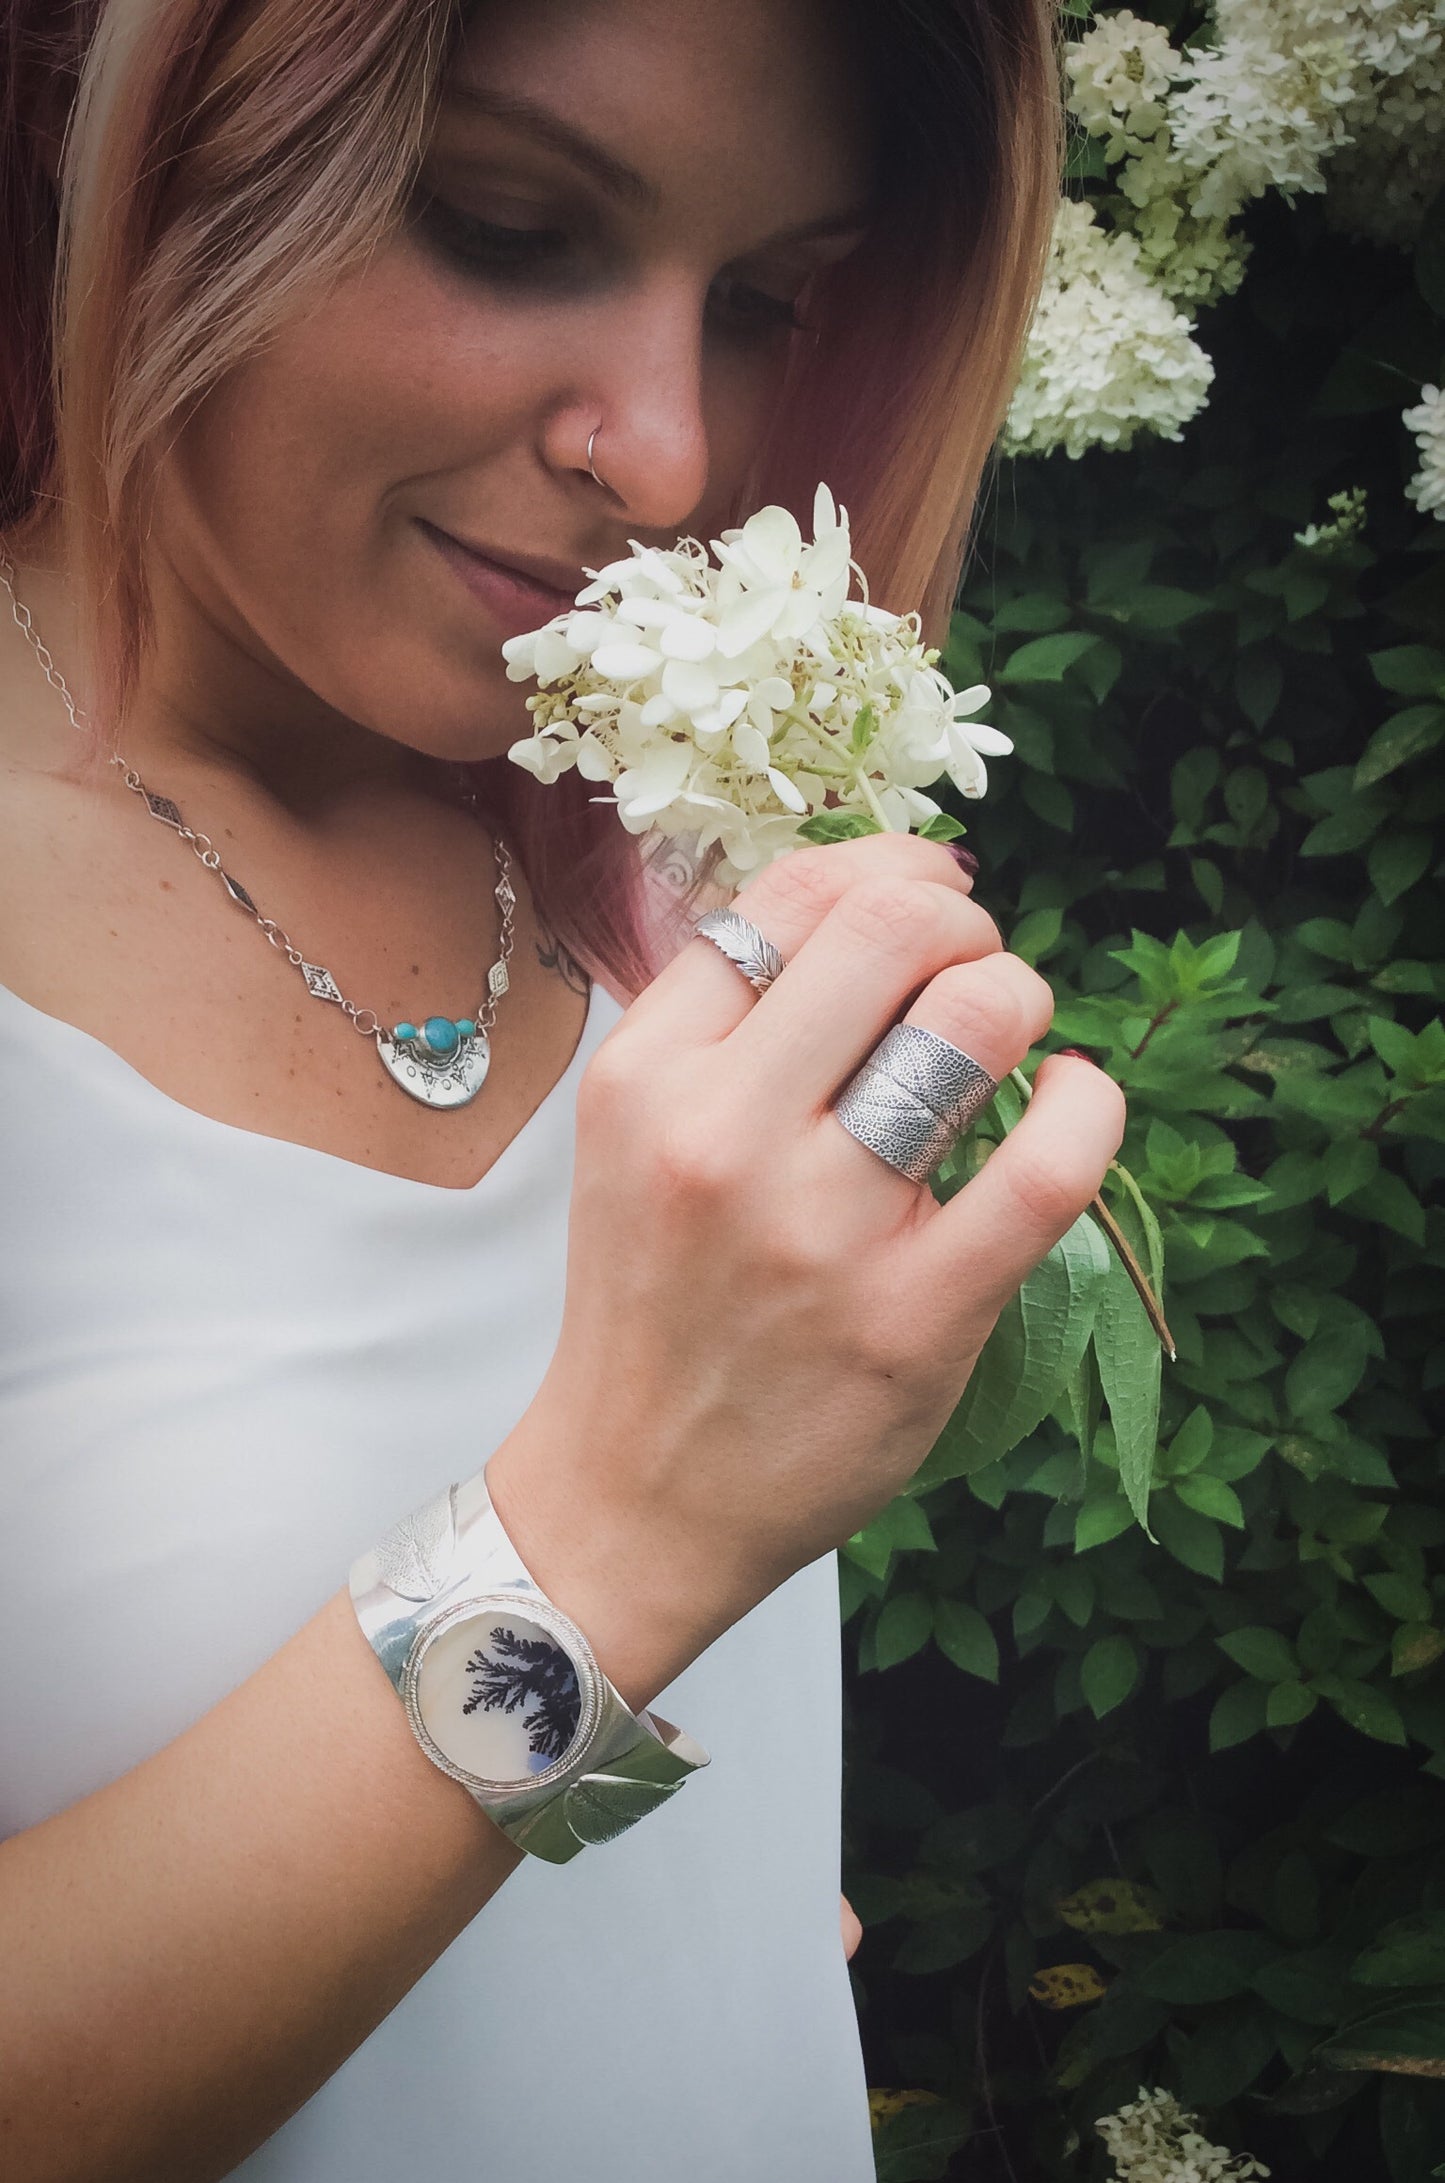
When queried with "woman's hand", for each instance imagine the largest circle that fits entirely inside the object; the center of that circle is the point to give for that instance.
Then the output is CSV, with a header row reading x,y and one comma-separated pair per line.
x,y
852,1929
765,1327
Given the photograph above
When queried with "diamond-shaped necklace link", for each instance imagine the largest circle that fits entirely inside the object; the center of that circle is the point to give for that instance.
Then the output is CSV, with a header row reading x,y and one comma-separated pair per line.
x,y
444,1062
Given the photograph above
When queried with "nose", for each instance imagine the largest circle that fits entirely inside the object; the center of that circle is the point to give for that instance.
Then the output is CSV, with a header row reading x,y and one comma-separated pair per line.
x,y
644,396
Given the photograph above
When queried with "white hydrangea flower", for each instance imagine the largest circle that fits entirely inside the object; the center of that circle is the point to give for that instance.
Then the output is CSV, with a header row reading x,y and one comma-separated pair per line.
x,y
1348,510
1194,257
1120,73
1381,183
1294,84
1108,355
734,702
1427,421
1257,113
1155,2140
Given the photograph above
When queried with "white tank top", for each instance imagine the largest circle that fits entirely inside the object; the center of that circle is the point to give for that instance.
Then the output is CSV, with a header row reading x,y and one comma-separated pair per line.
x,y
227,1364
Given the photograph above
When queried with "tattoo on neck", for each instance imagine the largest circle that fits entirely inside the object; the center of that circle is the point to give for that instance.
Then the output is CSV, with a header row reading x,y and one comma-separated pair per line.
x,y
553,956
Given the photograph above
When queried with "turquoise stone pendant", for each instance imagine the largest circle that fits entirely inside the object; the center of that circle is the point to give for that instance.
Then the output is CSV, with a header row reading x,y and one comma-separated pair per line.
x,y
443,1063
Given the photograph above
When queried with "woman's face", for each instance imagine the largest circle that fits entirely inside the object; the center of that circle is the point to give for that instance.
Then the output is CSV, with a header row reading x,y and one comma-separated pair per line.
x,y
620,207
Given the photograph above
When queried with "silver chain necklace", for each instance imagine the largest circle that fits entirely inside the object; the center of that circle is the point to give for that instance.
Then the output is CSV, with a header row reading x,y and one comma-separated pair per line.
x,y
442,1062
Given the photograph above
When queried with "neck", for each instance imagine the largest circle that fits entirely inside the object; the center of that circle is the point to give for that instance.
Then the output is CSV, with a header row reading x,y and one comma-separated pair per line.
x,y
212,707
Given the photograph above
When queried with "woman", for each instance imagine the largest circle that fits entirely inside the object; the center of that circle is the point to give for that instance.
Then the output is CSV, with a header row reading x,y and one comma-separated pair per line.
x,y
375,325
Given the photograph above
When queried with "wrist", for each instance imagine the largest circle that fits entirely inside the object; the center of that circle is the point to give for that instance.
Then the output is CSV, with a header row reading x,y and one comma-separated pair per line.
x,y
644,1622
502,1687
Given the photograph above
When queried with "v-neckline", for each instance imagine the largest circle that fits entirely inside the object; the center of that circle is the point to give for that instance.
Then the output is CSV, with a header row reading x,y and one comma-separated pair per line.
x,y
107,1059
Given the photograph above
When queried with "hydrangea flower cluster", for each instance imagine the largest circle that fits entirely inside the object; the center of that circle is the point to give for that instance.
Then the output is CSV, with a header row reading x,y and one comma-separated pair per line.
x,y
1298,96
735,702
1155,2140
1109,356
1347,511
1427,421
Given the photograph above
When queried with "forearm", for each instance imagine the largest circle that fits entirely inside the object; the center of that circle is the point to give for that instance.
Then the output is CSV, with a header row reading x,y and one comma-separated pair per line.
x,y
191,1951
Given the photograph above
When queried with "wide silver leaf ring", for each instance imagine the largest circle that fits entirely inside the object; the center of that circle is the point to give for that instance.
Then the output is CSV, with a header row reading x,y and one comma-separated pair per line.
x,y
743,944
913,1098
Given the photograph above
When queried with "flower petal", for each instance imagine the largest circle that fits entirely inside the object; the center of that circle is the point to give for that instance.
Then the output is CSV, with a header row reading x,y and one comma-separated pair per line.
x,y
687,636
623,662
786,792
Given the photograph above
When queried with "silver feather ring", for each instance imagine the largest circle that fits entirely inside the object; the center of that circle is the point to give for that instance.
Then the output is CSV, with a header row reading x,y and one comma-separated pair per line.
x,y
743,944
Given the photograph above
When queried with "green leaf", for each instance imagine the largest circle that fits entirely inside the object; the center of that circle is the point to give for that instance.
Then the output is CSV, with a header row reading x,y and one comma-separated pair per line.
x,y
825,826
1261,1652
1192,1443
1226,2055
1405,1598
1412,2033
1369,1710
1129,1360
1326,1373
1046,659
1411,1952
1029,1358
941,827
1099,1521
1032,611
900,1527
1036,935
1287,1704
945,1940
1396,861
1238,1714
1191,1538
963,1635
1349,828
1410,670
905,1625
1406,735
1415,1645
1392,1203
1350,1162
1206,1967
1210,1497
1395,1822
1109,1672
916,2143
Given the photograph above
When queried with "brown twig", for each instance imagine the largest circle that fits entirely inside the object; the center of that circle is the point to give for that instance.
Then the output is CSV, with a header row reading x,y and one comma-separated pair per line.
x,y
1136,1274
1152,1306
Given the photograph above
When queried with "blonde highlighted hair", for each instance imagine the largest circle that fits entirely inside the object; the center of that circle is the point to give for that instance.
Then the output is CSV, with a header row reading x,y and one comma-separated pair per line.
x,y
225,159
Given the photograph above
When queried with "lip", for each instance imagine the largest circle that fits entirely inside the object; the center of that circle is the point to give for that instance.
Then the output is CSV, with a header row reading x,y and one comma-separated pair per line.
x,y
520,592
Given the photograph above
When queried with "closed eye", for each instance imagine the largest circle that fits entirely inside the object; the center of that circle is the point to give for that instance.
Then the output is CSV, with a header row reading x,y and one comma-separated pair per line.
x,y
540,256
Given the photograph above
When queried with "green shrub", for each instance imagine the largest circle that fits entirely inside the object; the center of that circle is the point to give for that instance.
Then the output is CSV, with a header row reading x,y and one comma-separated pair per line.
x,y
1205,1769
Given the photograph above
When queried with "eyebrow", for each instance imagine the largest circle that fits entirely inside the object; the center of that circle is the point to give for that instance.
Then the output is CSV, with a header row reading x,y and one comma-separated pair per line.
x,y
607,170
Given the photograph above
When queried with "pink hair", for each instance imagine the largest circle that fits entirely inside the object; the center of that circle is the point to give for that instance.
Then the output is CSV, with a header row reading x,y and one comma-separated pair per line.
x,y
222,156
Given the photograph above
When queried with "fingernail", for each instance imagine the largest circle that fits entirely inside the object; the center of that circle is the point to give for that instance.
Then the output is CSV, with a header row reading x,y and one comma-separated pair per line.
x,y
963,858
1076,1053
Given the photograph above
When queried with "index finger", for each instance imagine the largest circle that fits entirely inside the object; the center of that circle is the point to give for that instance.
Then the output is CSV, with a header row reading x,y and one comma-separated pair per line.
x,y
700,996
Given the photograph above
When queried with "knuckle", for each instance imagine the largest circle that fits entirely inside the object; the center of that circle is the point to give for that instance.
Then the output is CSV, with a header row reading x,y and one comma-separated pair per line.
x,y
890,912
992,1012
1053,1188
804,881
695,1161
607,1088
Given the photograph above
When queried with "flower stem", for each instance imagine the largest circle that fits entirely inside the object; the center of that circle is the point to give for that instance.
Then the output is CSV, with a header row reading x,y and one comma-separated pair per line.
x,y
873,804
1117,1237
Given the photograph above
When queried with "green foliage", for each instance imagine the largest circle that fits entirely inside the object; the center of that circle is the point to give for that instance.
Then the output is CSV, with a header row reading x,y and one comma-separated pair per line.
x,y
1219,837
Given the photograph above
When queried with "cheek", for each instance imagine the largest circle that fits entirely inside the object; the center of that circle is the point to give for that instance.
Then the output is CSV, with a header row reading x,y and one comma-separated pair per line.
x,y
389,382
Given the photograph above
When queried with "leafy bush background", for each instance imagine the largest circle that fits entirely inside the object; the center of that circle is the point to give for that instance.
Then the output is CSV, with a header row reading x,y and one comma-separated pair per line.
x,y
1201,1781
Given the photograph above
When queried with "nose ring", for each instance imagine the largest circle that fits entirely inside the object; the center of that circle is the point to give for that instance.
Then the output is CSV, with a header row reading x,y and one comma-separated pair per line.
x,y
591,465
